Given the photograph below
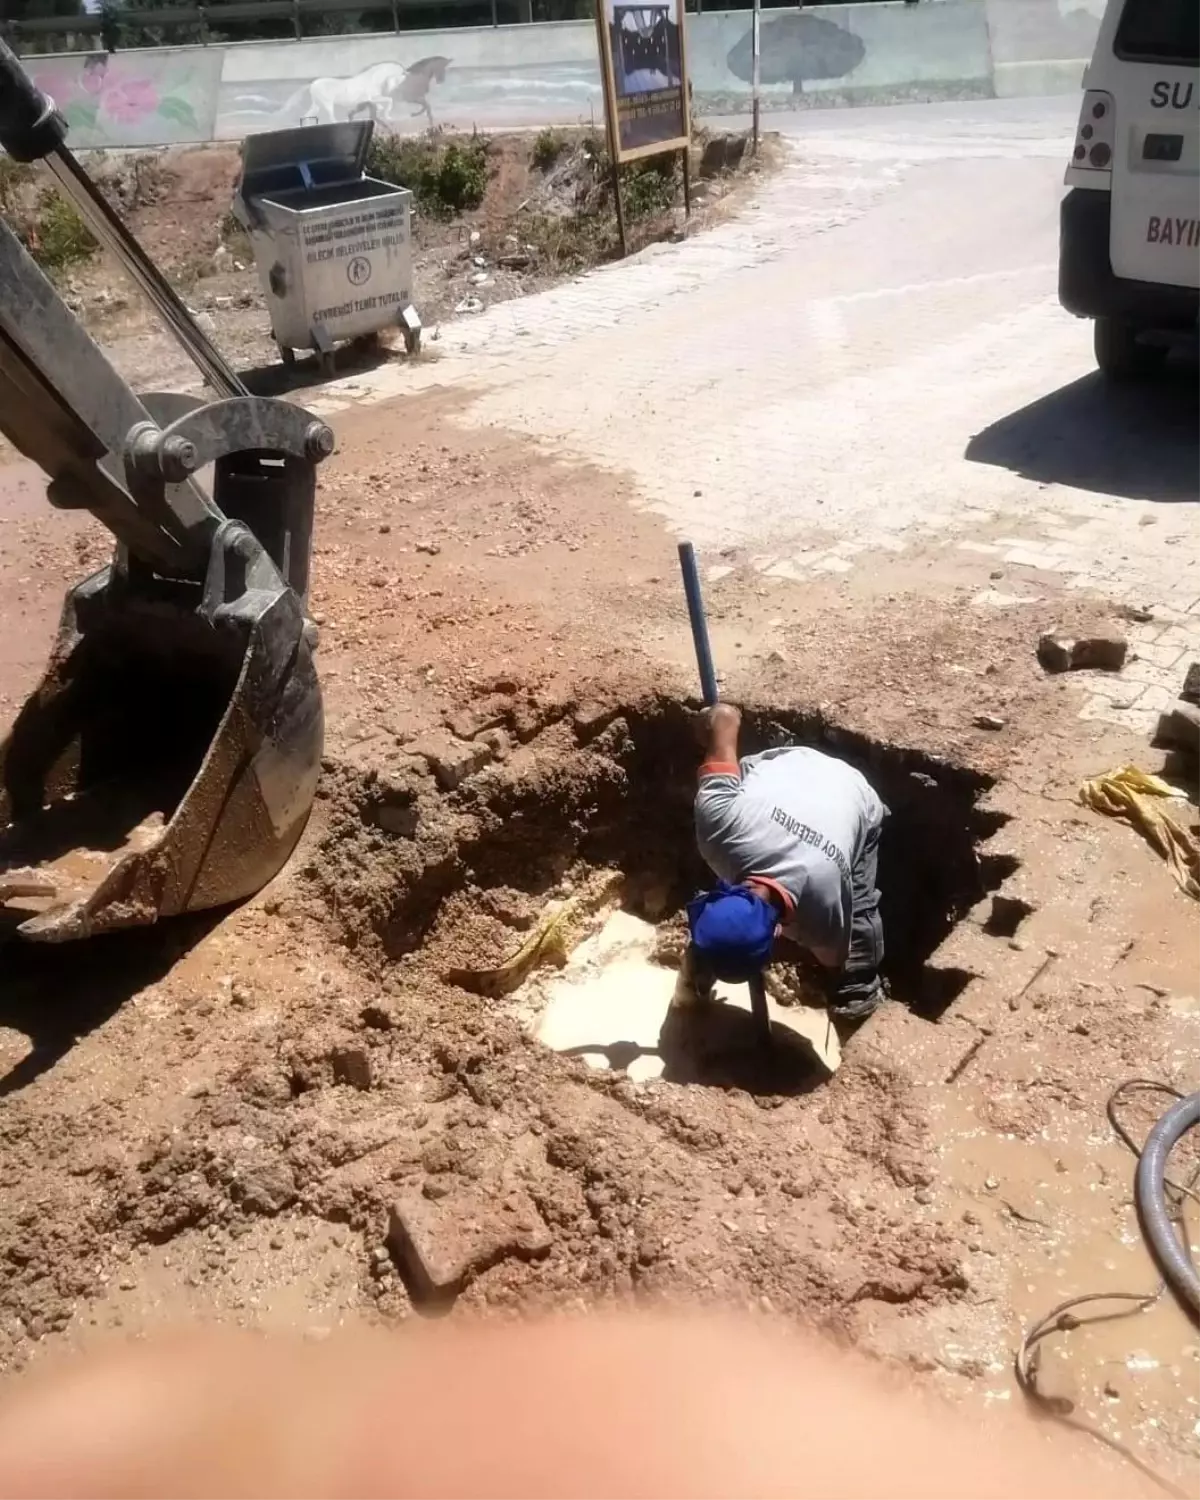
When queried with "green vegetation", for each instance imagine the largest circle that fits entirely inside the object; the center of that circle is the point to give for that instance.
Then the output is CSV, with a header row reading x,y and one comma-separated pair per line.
x,y
15,178
650,186
444,179
548,146
45,223
59,239
584,231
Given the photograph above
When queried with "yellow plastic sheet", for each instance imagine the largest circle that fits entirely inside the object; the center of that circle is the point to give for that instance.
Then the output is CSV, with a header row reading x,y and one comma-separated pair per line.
x,y
1156,810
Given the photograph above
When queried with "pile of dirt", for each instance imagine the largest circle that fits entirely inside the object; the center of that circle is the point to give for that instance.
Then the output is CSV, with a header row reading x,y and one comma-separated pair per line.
x,y
381,1078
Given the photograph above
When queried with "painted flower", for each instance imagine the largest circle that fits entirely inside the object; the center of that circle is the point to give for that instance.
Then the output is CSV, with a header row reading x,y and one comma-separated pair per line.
x,y
55,86
129,100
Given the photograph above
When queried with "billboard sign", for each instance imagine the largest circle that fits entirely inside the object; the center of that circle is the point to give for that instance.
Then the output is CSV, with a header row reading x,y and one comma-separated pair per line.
x,y
645,76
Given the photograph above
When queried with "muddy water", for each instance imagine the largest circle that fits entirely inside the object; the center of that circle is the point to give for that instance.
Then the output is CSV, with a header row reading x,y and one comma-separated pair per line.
x,y
610,1004
1063,1211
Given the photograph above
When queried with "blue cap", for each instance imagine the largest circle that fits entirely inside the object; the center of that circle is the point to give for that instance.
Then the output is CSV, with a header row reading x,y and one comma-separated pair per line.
x,y
732,931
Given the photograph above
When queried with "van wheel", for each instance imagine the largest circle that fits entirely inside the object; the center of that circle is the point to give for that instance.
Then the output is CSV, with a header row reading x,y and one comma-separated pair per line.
x,y
1120,355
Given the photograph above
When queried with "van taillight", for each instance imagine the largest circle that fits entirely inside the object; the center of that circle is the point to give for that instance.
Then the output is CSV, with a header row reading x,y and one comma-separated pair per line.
x,y
1095,134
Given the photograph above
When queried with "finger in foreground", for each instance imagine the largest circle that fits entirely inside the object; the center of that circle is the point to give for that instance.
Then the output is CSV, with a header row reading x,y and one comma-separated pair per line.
x,y
597,1406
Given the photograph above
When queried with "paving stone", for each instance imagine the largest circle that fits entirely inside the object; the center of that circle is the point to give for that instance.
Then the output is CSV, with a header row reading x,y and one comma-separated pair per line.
x,y
1165,655
1179,728
1062,653
442,1244
1156,698
451,760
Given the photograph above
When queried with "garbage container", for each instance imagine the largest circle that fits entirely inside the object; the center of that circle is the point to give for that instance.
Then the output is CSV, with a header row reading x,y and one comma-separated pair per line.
x,y
333,246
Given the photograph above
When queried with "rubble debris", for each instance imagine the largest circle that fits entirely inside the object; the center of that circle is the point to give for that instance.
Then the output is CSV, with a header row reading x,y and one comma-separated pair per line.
x,y
466,723
589,719
451,760
988,721
1190,691
442,1243
498,742
267,1186
400,821
722,153
1058,652
1179,729
351,1065
377,1017
25,882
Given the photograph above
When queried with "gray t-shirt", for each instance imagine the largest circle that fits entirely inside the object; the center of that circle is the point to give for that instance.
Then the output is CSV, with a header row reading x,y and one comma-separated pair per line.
x,y
795,817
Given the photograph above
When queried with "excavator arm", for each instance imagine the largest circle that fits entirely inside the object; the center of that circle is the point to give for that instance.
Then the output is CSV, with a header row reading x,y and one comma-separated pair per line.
x,y
168,759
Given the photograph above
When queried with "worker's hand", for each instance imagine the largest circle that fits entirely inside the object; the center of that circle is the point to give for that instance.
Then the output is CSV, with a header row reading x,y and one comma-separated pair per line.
x,y
703,1408
721,721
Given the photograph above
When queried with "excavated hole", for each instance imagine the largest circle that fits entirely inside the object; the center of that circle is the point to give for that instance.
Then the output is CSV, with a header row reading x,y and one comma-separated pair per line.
x,y
617,791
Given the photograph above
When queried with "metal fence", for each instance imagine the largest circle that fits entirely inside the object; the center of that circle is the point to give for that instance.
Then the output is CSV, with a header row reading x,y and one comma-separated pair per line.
x,y
112,28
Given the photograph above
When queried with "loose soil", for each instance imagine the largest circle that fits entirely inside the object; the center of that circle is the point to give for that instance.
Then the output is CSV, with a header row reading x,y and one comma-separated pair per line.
x,y
215,1120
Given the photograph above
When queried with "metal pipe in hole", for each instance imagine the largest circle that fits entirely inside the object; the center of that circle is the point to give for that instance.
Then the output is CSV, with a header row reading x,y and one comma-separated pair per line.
x,y
708,691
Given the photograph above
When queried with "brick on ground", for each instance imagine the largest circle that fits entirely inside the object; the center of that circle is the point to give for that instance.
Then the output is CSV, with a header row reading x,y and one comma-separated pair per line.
x,y
443,1243
451,760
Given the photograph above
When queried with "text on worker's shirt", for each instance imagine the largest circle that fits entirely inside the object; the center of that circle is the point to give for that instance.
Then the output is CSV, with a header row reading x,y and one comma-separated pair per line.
x,y
812,836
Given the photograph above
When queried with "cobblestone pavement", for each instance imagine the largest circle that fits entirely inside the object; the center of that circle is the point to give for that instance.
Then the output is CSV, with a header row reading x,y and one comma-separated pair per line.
x,y
869,357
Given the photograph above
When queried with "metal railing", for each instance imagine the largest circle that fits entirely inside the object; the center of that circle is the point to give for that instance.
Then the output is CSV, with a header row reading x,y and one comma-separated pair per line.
x,y
121,28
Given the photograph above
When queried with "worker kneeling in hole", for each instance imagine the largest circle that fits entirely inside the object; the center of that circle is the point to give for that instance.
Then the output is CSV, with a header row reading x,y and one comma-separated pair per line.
x,y
793,836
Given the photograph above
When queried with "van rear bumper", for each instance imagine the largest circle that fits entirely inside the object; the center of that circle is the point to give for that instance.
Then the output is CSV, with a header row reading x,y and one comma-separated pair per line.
x,y
1086,284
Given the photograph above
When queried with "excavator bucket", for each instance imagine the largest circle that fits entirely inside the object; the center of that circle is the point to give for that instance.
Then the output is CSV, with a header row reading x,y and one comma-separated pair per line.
x,y
168,760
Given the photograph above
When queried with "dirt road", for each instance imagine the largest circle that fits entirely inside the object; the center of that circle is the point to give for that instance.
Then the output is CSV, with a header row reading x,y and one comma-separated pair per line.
x,y
246,1118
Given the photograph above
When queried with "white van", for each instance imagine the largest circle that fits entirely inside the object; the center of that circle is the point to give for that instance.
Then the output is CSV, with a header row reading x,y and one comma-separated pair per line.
x,y
1129,252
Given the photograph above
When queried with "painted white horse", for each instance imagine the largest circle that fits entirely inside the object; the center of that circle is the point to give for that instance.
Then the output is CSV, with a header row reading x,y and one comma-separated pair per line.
x,y
374,91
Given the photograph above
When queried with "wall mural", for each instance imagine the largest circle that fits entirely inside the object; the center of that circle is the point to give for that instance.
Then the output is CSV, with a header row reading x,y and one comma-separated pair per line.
x,y
371,94
519,76
131,98
416,93
797,48
1037,31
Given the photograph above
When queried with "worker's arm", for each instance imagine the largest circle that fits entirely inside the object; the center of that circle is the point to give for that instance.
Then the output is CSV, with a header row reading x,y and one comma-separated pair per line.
x,y
719,727
725,838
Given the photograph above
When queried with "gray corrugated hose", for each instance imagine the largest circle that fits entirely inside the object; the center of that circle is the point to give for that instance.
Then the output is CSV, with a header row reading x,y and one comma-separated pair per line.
x,y
1170,1253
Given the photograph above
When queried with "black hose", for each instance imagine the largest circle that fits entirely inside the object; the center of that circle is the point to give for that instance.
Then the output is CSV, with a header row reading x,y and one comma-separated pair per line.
x,y
1149,1187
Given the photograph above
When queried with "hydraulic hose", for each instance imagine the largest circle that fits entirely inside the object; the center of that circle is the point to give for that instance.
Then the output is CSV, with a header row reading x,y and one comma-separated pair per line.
x,y
1170,1252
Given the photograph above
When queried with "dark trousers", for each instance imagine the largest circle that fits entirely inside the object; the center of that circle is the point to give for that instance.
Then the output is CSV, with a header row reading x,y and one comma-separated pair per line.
x,y
858,989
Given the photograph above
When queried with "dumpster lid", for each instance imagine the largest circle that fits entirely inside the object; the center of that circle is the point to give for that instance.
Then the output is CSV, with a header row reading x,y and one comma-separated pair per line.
x,y
274,161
